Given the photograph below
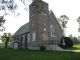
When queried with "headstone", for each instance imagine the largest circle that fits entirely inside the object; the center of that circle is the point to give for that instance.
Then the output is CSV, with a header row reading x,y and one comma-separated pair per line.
x,y
15,45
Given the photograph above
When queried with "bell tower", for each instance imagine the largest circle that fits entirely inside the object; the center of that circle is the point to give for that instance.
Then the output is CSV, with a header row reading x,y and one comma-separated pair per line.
x,y
38,11
38,7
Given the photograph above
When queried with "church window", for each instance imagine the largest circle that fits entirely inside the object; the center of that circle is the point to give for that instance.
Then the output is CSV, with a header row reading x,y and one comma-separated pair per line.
x,y
33,36
28,37
52,31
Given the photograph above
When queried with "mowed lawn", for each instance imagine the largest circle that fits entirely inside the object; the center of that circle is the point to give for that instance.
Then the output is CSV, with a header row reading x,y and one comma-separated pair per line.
x,y
11,54
76,46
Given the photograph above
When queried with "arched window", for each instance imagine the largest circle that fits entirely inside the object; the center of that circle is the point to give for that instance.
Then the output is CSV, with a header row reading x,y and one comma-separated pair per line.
x,y
52,31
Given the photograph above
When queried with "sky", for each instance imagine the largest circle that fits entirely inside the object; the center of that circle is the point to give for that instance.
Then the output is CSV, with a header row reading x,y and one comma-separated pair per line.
x,y
59,7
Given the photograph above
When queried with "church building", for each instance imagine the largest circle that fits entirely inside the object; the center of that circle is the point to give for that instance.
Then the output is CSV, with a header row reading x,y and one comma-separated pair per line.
x,y
42,28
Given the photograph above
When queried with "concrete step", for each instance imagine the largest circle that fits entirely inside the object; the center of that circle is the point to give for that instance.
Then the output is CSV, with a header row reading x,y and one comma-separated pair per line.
x,y
54,47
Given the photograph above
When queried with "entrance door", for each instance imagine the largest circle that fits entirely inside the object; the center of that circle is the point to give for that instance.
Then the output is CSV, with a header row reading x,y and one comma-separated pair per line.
x,y
45,39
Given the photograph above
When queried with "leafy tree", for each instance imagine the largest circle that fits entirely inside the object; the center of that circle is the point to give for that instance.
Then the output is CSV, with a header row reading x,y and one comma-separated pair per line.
x,y
78,20
6,39
10,6
2,21
66,42
74,39
63,21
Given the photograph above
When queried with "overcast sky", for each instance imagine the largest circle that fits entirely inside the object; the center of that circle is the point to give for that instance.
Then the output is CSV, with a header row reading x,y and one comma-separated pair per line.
x,y
59,7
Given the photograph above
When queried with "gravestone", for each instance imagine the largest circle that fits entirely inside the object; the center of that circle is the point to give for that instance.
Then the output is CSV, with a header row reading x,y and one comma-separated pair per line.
x,y
15,45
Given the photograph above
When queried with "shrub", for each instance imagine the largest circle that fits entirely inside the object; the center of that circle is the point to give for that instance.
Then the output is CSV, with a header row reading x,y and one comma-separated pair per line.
x,y
42,48
67,42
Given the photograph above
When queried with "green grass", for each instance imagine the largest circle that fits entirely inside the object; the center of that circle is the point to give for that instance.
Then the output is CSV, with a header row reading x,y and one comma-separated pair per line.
x,y
77,46
11,54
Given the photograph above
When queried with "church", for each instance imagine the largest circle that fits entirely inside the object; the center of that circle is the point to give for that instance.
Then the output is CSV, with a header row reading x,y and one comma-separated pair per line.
x,y
42,28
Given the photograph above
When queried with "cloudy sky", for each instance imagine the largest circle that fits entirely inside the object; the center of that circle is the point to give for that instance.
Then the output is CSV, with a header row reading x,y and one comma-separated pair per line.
x,y
59,7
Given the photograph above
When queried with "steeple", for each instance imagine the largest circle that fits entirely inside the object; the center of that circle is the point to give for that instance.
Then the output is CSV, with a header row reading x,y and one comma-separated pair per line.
x,y
38,7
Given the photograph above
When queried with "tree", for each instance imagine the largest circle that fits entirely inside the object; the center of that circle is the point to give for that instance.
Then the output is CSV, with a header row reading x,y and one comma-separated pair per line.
x,y
66,42
78,20
2,21
74,39
10,6
6,39
63,21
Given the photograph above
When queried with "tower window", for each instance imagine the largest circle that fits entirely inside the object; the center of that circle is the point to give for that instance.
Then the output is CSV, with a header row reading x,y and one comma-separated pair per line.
x,y
33,36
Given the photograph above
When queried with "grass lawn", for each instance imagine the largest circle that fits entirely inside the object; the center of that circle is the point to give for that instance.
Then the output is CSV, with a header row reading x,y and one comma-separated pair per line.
x,y
77,46
11,54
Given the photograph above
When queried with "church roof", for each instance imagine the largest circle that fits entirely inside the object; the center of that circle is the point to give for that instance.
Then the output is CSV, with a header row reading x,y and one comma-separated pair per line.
x,y
23,29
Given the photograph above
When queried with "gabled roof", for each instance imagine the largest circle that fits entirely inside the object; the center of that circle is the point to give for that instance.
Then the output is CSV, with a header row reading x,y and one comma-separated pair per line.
x,y
23,29
51,12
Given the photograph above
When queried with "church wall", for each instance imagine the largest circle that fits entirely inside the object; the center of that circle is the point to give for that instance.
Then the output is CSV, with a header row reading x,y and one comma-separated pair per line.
x,y
58,30
38,23
21,40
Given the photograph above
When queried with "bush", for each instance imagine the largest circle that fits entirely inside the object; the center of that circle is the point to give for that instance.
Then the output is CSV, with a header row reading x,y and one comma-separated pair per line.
x,y
67,42
42,48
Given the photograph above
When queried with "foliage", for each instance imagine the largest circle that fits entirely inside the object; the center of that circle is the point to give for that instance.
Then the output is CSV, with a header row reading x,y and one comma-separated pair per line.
x,y
10,6
7,5
74,39
66,42
63,20
6,39
42,48
78,20
10,54
2,21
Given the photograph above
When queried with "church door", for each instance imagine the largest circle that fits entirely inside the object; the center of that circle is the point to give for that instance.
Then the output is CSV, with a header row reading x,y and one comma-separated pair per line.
x,y
45,39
